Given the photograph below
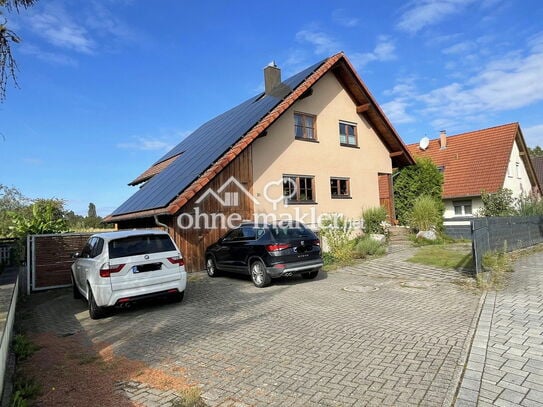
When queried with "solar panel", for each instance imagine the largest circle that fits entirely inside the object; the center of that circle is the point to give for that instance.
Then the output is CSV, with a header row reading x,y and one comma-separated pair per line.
x,y
203,147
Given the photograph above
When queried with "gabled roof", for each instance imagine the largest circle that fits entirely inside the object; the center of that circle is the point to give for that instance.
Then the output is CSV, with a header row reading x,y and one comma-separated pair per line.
x,y
538,168
476,161
188,167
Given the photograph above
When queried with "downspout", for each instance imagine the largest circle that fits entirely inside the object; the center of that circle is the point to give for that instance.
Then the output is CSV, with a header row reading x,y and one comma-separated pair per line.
x,y
158,223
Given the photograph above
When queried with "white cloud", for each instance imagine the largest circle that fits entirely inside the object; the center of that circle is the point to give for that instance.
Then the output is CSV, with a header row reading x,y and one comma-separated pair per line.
x,y
422,13
90,29
460,48
167,139
533,135
396,111
322,42
146,144
57,27
509,82
52,57
344,18
385,50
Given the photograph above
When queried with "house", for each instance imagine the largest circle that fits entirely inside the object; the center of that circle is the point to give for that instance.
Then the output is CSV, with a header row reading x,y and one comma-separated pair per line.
x,y
475,162
537,162
313,144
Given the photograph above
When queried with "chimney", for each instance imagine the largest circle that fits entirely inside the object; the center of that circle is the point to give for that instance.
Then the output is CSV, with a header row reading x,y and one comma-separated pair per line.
x,y
443,139
272,77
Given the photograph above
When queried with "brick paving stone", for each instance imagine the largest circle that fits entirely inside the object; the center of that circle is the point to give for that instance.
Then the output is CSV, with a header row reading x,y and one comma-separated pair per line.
x,y
509,331
297,342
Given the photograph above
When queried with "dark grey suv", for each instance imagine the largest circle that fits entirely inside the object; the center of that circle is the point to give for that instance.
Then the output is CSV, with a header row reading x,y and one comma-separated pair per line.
x,y
266,251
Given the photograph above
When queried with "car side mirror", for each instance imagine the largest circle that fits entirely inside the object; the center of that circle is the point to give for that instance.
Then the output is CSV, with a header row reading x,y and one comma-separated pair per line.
x,y
220,240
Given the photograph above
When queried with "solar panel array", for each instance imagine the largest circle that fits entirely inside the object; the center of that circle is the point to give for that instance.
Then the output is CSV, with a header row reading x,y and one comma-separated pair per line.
x,y
203,147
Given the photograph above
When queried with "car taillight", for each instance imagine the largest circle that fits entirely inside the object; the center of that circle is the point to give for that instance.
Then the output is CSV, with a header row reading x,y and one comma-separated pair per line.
x,y
176,260
277,247
316,242
106,269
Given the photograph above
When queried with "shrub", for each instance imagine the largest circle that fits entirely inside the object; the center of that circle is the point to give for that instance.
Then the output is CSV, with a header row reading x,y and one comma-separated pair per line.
x,y
367,246
530,205
499,203
424,178
375,220
425,214
337,230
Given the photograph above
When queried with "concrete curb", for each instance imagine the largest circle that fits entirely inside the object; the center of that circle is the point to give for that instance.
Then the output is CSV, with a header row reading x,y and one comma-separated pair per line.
x,y
470,369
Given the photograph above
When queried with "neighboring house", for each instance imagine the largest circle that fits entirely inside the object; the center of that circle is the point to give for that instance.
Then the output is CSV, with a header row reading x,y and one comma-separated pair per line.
x,y
483,160
314,144
538,167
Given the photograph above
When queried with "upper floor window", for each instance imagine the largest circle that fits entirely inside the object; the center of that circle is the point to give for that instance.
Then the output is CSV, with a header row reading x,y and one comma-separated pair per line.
x,y
347,134
299,188
517,169
304,126
340,188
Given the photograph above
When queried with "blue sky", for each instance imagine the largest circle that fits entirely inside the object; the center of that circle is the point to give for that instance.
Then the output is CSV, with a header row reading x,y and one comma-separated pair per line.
x,y
107,87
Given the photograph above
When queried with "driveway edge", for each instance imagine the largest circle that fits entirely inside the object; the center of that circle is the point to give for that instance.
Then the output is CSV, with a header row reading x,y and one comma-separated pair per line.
x,y
469,380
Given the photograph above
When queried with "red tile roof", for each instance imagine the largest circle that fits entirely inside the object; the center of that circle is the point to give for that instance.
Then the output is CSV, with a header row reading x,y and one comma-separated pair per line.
x,y
538,167
473,162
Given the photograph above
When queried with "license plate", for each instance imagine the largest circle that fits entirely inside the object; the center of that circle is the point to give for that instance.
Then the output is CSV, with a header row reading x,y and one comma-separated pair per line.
x,y
142,268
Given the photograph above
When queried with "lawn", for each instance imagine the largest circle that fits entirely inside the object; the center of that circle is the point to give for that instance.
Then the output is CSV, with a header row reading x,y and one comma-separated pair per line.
x,y
445,256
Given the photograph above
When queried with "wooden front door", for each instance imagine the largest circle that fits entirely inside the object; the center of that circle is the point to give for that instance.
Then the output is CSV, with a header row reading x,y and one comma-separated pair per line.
x,y
386,197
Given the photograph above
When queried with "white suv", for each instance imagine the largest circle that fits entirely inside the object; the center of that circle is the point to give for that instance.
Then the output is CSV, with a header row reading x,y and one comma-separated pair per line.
x,y
116,268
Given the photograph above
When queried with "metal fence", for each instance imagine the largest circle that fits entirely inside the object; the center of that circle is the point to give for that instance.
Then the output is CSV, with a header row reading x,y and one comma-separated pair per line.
x,y
504,234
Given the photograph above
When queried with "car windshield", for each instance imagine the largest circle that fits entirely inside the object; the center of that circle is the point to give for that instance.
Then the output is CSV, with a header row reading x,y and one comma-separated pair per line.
x,y
143,244
291,231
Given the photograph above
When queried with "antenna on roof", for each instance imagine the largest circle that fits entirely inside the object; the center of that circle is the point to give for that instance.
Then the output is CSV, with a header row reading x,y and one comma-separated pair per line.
x,y
424,143
272,64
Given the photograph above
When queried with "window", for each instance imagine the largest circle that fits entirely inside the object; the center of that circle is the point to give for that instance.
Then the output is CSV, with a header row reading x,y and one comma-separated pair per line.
x,y
340,188
304,126
462,208
347,134
518,169
143,244
441,168
299,188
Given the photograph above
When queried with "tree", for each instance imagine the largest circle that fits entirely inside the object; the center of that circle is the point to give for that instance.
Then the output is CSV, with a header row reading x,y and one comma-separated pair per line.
x,y
423,178
8,67
43,216
11,200
91,213
536,151
499,203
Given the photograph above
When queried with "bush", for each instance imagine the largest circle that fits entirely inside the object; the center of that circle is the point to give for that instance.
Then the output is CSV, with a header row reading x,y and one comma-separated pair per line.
x,y
425,214
336,230
424,178
530,205
375,220
499,203
367,246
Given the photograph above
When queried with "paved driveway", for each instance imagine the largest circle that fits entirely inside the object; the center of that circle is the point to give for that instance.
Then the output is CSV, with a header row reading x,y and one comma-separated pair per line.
x,y
384,332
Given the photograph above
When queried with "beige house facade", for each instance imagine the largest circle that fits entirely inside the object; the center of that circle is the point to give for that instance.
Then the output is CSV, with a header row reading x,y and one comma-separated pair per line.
x,y
343,175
